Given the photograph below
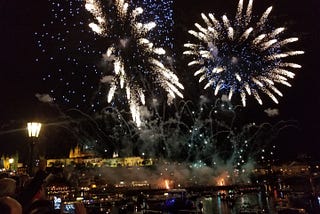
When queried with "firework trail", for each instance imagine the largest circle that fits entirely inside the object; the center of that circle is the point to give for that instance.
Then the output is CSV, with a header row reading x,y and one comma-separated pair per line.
x,y
241,57
137,64
203,135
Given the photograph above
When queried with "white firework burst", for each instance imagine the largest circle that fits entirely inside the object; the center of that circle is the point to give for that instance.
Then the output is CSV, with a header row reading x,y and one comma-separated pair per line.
x,y
137,63
241,57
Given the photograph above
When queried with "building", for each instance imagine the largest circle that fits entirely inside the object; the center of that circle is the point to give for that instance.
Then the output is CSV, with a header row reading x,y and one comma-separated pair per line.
x,y
77,156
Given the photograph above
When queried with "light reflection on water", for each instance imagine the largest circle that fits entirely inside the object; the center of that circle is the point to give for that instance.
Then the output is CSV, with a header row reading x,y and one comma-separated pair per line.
x,y
253,201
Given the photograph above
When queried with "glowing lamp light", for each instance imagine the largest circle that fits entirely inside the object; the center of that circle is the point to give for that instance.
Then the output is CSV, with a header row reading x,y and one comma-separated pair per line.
x,y
34,129
33,132
11,160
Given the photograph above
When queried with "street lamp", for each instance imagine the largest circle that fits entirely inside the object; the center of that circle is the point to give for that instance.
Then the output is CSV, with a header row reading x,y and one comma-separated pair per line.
x,y
33,132
11,161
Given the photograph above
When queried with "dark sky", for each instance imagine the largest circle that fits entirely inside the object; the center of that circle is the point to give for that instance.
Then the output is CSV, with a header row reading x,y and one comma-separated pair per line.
x,y
20,77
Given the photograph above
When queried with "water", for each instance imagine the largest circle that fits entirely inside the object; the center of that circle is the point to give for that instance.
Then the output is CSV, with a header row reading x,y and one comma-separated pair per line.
x,y
251,201
204,202
222,203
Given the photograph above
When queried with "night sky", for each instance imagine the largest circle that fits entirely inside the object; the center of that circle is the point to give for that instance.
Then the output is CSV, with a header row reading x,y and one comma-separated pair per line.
x,y
21,76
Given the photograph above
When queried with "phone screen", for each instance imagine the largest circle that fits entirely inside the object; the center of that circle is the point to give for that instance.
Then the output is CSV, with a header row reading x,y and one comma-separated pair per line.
x,y
57,203
68,207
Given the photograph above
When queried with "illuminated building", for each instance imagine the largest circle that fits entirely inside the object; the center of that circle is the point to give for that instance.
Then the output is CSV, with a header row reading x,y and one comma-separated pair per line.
x,y
9,163
76,156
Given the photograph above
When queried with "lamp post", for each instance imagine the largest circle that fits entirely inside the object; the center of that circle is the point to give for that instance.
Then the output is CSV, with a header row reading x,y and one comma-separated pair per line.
x,y
33,132
11,161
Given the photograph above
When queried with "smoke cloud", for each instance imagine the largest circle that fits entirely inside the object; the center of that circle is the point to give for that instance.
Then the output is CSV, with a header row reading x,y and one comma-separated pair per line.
x,y
45,98
272,112
107,79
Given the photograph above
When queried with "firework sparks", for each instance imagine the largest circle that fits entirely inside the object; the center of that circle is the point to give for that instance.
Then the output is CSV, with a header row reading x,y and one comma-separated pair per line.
x,y
137,63
241,57
70,54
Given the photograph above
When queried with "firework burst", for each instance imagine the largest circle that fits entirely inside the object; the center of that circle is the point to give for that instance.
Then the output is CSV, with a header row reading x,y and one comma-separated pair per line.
x,y
241,57
69,54
137,64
